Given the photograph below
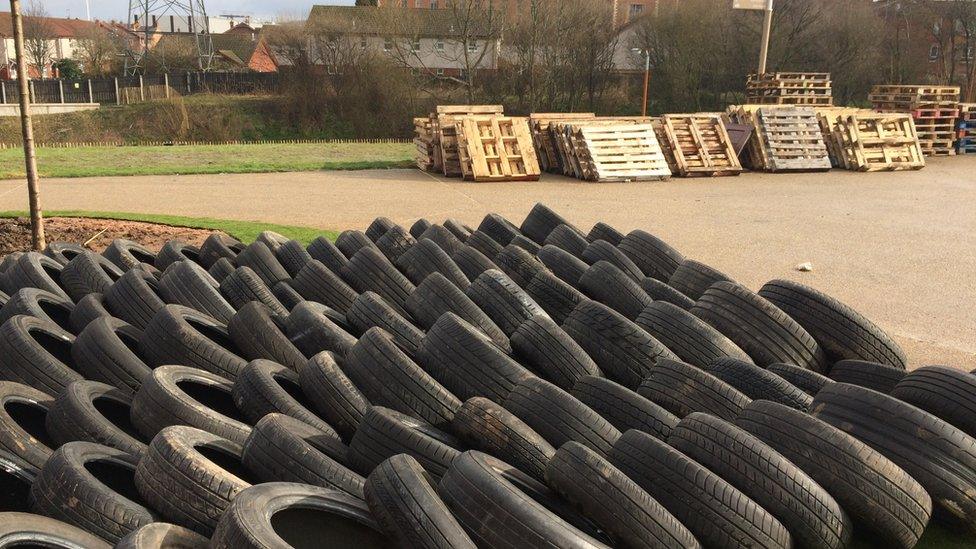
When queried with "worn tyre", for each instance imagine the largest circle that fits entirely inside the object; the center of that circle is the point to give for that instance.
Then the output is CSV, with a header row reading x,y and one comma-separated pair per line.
x,y
871,375
265,387
653,256
623,408
180,335
186,283
555,296
425,258
243,286
332,394
160,535
261,259
25,443
603,231
606,284
311,329
41,304
90,411
371,310
505,303
546,349
682,389
660,291
807,380
36,352
566,266
384,433
687,336
88,273
944,392
107,350
135,298
89,308
258,333
759,384
437,295
369,270
692,278
604,251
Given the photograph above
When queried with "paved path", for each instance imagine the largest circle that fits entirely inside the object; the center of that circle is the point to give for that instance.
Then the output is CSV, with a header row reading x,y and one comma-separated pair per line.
x,y
900,247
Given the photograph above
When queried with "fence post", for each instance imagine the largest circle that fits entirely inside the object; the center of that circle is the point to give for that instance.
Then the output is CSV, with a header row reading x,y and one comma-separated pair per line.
x,y
91,92
189,90
61,90
118,97
166,83
3,90
142,90
33,93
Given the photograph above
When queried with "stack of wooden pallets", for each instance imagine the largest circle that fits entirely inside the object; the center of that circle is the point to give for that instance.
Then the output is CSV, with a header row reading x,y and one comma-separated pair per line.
x,y
496,148
424,141
697,145
934,109
966,126
789,88
870,141
830,119
445,132
608,149
785,138
545,145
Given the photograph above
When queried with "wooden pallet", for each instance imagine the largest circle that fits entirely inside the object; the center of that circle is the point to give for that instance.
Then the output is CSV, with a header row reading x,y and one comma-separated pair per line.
x,y
698,144
620,152
545,145
786,138
446,132
424,141
830,119
496,148
568,145
880,142
789,88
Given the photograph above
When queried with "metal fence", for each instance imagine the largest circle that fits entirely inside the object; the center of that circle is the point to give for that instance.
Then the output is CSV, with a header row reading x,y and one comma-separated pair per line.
x,y
123,90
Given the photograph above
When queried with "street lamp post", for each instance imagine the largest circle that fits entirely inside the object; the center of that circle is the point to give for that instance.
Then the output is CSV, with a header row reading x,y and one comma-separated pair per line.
x,y
647,76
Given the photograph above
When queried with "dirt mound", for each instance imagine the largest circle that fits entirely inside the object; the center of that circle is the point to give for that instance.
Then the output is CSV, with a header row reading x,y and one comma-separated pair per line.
x,y
15,233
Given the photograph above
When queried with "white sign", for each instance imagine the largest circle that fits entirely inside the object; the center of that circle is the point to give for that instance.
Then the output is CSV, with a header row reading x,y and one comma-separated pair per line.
x,y
748,4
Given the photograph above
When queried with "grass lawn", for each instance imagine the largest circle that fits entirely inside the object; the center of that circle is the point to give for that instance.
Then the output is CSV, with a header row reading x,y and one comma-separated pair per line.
x,y
203,159
246,231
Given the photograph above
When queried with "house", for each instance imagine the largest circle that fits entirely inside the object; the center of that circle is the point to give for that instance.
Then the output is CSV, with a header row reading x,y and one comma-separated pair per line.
x,y
233,50
56,38
623,11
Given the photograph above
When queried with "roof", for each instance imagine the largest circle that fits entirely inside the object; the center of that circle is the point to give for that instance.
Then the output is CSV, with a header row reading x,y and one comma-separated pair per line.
x,y
235,47
59,27
369,20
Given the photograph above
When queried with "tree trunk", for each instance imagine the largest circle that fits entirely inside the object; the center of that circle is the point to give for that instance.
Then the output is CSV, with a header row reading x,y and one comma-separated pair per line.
x,y
27,128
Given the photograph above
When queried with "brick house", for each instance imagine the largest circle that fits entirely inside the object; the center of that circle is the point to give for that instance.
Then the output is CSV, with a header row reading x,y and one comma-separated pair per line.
x,y
624,11
64,35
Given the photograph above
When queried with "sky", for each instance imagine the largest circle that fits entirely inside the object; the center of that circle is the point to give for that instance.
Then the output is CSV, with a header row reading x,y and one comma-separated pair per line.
x,y
118,9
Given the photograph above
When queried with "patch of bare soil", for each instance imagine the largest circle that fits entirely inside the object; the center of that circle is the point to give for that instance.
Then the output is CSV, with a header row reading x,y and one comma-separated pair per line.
x,y
15,233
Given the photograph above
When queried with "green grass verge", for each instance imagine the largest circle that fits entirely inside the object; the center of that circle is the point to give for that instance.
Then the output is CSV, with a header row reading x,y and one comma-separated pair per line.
x,y
207,159
246,231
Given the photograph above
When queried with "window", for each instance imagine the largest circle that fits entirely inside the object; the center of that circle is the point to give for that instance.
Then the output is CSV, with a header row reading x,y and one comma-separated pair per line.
x,y
387,44
362,43
433,4
933,52
439,45
473,46
415,45
969,52
440,72
635,10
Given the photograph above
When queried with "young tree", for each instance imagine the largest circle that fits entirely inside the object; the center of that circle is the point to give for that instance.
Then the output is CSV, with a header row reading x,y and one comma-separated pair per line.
x,y
96,51
38,36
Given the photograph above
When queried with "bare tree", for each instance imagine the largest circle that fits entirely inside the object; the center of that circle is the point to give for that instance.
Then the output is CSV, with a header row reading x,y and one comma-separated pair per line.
x,y
38,36
97,51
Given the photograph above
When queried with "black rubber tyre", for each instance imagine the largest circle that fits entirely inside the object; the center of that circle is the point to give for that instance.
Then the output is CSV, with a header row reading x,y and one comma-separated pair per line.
x,y
815,520
444,238
602,250
24,528
469,364
25,444
135,298
316,282
660,291
217,246
191,476
687,336
682,389
623,408
457,228
287,295
265,387
221,269
174,251
180,335
107,351
63,252
292,256
425,258
472,262
540,222
303,516
568,239
186,283
507,304
941,457
259,257
437,295
323,250
526,244
872,375
559,416
390,378
126,254
284,449
693,278
311,330
370,270
88,273
879,496
371,310
622,350
500,506
332,394
403,500
36,352
946,393
546,349
842,332
90,411
555,296
564,265
487,426
272,239
484,244
244,286
258,334
33,270
179,395
605,283
807,380
653,256
518,264
758,327
160,535
759,384
89,308
716,513
624,510
41,304
603,231
378,227
498,228
395,242
91,486
351,241
385,433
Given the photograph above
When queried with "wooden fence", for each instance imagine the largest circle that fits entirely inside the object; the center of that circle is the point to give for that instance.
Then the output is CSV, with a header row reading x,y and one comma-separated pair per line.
x,y
89,144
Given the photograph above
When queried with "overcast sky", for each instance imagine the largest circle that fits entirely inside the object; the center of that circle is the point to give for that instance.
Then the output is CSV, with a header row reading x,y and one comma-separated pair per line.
x,y
118,9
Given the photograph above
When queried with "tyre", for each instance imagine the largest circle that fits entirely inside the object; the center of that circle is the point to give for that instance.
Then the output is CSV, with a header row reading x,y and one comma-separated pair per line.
x,y
332,394
179,395
419,227
484,244
518,264
395,242
879,496
842,332
284,449
369,270
467,363
265,387
371,310
946,393
244,286
941,457
186,283
217,246
63,252
46,531
160,535
90,411
258,334
292,256
487,426
653,256
541,345
190,476
687,336
323,250
813,517
92,487
350,242
88,273
261,259
692,278
441,236
602,250
660,291
622,350
385,433
24,441
390,378
629,515
107,351
378,228
526,244
91,307
221,269
37,353
556,297
758,327
33,270
311,330
682,389
499,229
437,295
716,513
406,506
40,304
808,381
458,229
180,335
315,282
503,301
174,251
605,283
303,516
472,262
287,295
563,264
568,239
540,222
871,375
135,298
623,408
759,384
425,258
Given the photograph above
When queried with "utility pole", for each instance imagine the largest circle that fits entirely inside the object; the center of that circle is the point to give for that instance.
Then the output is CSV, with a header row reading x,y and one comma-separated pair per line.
x,y
767,26
27,128
647,80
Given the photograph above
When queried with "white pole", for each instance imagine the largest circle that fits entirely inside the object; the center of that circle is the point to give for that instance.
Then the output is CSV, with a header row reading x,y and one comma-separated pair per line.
x,y
88,9
767,26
